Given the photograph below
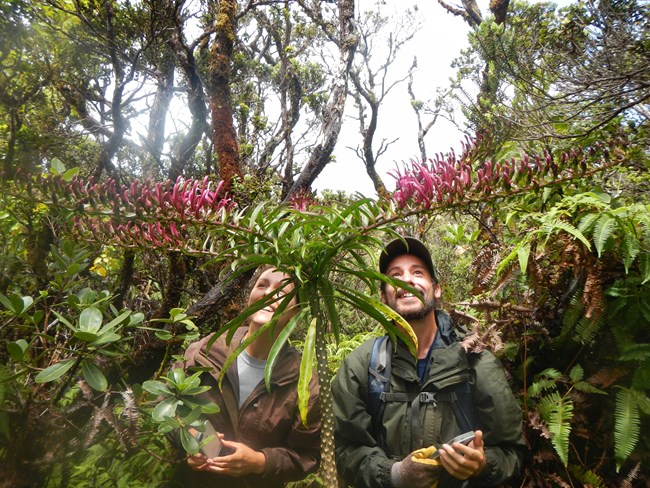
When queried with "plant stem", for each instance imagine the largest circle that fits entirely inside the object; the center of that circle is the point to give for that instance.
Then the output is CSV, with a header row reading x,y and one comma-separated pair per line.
x,y
328,463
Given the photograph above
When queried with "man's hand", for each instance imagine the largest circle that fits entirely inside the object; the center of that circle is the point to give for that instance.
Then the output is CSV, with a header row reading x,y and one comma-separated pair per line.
x,y
415,471
463,462
242,460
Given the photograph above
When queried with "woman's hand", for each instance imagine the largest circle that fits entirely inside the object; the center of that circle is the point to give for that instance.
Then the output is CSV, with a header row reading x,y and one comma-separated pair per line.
x,y
242,460
463,462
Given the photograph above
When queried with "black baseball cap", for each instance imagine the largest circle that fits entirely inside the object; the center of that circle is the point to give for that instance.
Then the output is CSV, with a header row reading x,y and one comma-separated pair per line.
x,y
406,245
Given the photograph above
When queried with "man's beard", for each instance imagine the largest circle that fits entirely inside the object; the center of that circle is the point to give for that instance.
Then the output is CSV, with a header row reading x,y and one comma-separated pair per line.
x,y
427,307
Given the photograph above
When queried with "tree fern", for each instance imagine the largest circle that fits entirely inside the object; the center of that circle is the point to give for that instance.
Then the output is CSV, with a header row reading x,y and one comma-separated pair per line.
x,y
627,424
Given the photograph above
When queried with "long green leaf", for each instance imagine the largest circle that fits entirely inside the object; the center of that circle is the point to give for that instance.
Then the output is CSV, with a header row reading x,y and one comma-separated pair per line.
x,y
231,326
64,321
190,444
523,252
306,371
93,376
393,322
244,344
277,346
7,303
116,321
55,371
156,387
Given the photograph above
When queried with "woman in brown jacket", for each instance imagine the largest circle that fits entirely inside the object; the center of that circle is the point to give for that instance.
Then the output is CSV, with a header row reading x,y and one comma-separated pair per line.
x,y
264,442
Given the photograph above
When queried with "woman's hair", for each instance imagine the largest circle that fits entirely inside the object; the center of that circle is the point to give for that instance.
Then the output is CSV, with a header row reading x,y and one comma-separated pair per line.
x,y
258,273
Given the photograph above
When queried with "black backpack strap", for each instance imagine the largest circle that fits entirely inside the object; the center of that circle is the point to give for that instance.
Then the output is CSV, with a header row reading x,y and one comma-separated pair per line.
x,y
416,426
379,370
463,406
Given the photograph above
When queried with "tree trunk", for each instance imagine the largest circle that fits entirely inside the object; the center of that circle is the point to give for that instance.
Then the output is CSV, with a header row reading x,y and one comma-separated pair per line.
x,y
126,275
223,128
158,115
333,112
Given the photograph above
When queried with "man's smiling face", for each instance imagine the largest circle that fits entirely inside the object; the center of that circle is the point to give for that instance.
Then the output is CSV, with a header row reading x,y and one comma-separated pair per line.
x,y
412,270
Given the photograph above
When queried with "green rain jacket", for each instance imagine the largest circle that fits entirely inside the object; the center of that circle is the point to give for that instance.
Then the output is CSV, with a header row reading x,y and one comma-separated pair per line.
x,y
363,463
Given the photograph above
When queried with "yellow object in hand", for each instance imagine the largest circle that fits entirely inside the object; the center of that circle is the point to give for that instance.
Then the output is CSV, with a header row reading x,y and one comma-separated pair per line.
x,y
423,456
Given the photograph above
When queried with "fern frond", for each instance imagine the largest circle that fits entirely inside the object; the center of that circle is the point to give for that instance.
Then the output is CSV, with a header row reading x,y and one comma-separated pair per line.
x,y
558,412
547,404
644,267
485,264
551,373
557,225
574,311
587,388
577,373
603,230
538,387
635,352
587,477
588,328
587,223
631,248
627,424
560,428
643,401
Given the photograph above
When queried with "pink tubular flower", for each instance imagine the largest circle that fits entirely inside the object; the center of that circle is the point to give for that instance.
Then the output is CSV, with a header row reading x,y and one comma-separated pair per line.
x,y
450,180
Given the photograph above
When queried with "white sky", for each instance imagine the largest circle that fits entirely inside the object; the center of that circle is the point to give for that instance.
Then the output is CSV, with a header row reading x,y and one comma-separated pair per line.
x,y
436,44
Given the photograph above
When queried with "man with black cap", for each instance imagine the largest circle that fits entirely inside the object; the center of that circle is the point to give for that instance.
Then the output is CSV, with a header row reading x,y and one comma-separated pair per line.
x,y
396,416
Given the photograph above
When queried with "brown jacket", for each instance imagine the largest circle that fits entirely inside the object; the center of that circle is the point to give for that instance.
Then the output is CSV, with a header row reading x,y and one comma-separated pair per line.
x,y
268,421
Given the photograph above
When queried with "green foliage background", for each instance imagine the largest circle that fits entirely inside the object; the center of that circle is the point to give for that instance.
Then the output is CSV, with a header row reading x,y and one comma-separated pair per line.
x,y
555,280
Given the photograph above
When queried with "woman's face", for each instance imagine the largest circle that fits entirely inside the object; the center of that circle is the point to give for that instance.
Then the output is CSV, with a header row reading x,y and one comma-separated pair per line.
x,y
271,282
